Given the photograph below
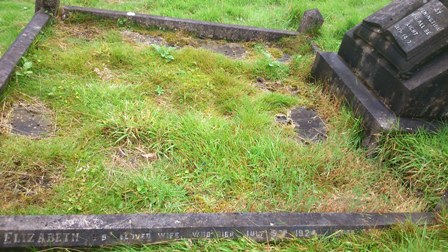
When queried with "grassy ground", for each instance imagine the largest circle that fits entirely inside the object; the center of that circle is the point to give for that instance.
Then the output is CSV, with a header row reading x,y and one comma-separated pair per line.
x,y
139,132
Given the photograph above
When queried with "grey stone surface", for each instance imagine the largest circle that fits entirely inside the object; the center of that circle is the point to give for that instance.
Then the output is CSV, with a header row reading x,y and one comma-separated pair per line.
x,y
232,50
229,49
49,6
30,121
411,41
308,125
15,52
285,58
443,203
200,28
144,39
282,119
103,230
312,21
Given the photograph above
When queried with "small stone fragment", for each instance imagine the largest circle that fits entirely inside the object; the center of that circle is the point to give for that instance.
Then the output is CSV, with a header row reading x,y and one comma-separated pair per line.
x,y
29,120
308,125
282,119
443,203
311,22
285,58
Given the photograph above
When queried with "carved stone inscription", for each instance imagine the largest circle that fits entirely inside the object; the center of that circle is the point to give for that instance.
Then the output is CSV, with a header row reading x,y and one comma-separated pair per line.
x,y
98,237
39,238
421,26
102,230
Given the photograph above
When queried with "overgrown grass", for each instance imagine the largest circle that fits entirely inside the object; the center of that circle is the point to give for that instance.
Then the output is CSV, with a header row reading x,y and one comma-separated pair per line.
x,y
14,15
217,145
421,160
153,130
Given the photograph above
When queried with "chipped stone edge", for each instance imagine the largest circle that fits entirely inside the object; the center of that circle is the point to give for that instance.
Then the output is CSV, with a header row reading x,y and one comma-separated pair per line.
x,y
200,28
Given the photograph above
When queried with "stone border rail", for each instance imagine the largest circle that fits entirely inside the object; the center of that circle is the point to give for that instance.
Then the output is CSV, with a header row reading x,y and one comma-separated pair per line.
x,y
11,58
199,28
106,230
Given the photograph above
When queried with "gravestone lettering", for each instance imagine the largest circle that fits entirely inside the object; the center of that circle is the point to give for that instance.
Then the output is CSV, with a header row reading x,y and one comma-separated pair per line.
x,y
102,230
411,40
393,67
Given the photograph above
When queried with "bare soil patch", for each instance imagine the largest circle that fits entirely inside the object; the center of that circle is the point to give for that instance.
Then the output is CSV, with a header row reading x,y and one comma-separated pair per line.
x,y
23,188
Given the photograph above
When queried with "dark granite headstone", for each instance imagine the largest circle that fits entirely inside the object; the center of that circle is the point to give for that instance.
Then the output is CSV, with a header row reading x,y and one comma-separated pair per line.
x,y
400,56
312,20
49,6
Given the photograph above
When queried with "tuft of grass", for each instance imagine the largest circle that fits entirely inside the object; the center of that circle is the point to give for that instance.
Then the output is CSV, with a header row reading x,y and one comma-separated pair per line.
x,y
14,16
421,160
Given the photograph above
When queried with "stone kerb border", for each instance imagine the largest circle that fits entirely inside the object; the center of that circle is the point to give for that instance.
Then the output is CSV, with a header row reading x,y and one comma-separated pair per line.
x,y
16,51
106,230
99,230
200,28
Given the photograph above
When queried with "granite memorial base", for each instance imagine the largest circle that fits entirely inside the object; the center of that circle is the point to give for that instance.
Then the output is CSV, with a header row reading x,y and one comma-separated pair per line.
x,y
393,67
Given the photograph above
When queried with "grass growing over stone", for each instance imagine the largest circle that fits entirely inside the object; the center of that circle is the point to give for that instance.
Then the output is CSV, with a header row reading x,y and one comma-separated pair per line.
x,y
140,132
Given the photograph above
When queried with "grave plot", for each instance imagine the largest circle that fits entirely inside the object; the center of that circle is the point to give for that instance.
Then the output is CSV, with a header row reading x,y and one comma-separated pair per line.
x,y
154,121
108,117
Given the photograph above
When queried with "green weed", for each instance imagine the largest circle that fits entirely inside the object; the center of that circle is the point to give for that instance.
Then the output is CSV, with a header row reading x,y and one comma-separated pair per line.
x,y
164,52
25,69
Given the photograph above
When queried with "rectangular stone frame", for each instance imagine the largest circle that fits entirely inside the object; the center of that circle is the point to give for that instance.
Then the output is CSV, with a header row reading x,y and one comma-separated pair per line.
x,y
100,230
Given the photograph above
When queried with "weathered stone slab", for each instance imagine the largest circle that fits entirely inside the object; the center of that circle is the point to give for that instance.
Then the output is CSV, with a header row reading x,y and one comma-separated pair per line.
x,y
29,120
15,52
309,126
393,67
102,230
200,28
